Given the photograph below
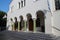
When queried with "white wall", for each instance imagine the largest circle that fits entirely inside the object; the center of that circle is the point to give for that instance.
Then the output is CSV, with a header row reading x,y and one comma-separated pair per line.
x,y
48,25
56,22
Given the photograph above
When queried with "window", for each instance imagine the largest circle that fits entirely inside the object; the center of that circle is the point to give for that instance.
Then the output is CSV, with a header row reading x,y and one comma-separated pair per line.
x,y
21,3
12,8
24,2
57,4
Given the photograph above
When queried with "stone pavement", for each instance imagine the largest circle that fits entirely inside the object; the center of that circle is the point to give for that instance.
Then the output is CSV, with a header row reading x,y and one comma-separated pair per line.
x,y
9,35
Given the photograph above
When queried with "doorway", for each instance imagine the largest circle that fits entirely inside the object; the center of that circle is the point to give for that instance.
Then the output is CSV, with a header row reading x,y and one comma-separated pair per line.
x,y
29,22
40,23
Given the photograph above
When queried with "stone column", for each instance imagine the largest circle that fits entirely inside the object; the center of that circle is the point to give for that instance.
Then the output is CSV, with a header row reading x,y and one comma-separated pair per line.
x,y
13,27
34,24
24,25
18,26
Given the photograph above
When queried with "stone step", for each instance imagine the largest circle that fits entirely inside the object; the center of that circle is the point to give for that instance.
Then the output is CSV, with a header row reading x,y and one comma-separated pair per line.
x,y
10,35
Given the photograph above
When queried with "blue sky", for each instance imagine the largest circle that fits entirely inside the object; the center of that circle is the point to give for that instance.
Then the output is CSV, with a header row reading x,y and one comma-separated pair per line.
x,y
4,5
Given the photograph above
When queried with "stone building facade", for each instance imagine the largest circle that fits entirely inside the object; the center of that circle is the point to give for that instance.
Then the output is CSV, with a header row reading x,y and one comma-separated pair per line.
x,y
44,13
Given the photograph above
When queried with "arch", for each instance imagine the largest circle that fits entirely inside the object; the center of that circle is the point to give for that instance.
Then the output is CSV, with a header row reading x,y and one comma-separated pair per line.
x,y
16,23
29,16
21,17
11,19
40,23
29,22
15,18
21,23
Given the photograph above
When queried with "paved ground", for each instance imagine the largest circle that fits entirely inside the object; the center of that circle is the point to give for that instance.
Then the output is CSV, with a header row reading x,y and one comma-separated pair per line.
x,y
8,35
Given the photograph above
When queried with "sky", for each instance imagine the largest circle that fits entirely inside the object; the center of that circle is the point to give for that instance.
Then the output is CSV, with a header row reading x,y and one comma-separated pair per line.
x,y
4,5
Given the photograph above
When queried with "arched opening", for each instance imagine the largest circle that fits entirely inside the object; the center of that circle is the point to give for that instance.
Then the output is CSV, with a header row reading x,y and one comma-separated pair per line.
x,y
29,22
16,23
21,23
40,24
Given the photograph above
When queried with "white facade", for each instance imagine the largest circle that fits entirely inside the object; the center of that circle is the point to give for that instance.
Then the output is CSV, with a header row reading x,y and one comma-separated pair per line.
x,y
32,6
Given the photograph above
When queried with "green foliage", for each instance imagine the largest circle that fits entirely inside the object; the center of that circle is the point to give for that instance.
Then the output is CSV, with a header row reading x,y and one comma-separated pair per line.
x,y
2,14
3,21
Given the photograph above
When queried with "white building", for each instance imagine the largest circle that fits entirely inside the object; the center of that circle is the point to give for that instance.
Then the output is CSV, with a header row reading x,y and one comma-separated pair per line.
x,y
50,8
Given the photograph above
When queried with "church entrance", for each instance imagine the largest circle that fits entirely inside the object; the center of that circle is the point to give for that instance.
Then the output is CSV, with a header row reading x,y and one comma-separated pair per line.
x,y
40,23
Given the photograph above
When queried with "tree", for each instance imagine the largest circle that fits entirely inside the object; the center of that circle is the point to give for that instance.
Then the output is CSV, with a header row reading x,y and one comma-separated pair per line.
x,y
2,14
3,20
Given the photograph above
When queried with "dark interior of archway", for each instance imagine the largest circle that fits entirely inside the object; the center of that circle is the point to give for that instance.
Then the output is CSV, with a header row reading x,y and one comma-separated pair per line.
x,y
16,23
40,21
30,22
